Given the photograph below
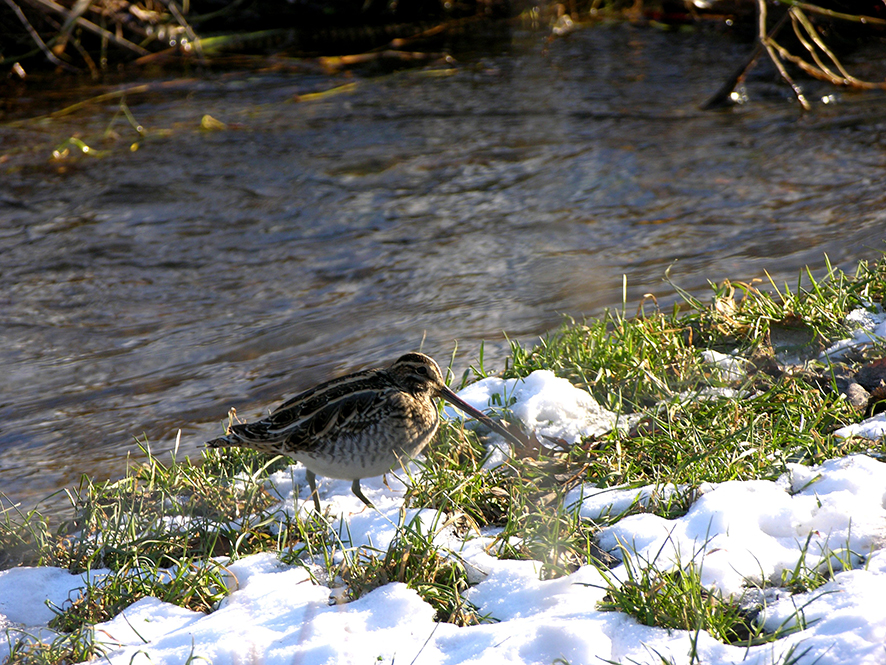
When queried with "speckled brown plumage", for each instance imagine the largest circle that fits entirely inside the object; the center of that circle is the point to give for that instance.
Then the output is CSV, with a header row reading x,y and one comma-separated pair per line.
x,y
359,425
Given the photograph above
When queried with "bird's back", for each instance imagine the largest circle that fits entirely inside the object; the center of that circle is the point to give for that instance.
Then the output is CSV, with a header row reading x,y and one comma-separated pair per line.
x,y
360,422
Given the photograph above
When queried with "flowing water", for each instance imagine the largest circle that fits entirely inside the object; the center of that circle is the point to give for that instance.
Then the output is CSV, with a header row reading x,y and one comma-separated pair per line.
x,y
149,291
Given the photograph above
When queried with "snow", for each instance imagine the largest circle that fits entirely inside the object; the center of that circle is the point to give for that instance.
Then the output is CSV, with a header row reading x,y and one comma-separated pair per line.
x,y
869,329
742,535
752,530
872,428
596,503
728,367
549,405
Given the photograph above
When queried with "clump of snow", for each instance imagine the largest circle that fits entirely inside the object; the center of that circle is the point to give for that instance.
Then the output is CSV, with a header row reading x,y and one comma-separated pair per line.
x,y
848,615
872,428
146,621
277,616
27,596
597,503
728,367
752,531
20,586
549,405
869,329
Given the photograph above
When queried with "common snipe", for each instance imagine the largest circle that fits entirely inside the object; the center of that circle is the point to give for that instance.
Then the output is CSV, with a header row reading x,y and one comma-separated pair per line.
x,y
359,425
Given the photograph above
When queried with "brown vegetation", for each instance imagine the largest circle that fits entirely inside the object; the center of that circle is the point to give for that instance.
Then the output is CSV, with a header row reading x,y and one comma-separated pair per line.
x,y
800,38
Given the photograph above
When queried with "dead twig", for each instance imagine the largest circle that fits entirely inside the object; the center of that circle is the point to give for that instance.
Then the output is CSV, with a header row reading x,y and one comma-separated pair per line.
x,y
812,41
189,31
724,93
821,62
334,63
774,49
855,18
88,25
37,39
64,34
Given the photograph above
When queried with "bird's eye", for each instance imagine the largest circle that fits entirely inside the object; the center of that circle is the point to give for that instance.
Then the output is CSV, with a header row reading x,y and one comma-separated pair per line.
x,y
422,370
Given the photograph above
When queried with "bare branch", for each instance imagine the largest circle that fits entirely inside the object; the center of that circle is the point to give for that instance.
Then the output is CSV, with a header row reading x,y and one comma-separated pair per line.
x,y
771,47
89,25
855,18
192,36
37,39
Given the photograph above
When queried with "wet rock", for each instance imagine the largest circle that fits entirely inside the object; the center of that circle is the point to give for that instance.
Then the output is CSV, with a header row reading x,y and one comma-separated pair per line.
x,y
793,338
872,376
857,396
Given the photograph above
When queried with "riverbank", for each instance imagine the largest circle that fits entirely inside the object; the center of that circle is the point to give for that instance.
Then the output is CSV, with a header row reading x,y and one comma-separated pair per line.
x,y
688,489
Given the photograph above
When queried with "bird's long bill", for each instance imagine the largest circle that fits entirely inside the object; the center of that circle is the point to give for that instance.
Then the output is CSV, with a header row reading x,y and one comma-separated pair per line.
x,y
454,399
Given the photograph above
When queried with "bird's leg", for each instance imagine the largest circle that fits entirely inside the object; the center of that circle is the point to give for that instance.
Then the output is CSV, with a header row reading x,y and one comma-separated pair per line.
x,y
355,488
312,481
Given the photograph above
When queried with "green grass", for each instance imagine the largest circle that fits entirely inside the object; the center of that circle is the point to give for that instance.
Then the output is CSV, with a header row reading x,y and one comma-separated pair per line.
x,y
632,363
75,647
167,529
676,599
808,575
438,575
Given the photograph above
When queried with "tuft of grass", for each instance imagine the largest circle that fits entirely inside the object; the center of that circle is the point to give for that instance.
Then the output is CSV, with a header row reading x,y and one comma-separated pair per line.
x,y
728,437
156,514
413,558
452,478
194,584
806,576
522,497
76,647
817,304
558,538
159,514
24,536
675,598
626,364
632,363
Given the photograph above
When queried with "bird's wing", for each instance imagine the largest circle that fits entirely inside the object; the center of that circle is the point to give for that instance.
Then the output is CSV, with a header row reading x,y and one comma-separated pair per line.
x,y
316,397
303,424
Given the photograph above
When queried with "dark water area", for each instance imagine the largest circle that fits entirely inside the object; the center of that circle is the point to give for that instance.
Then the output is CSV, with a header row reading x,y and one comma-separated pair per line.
x,y
150,291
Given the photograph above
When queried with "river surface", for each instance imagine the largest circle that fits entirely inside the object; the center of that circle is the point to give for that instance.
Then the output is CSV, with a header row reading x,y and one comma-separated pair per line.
x,y
145,292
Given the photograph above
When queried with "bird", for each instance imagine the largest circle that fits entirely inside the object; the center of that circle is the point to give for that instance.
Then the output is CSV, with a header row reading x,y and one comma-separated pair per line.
x,y
359,425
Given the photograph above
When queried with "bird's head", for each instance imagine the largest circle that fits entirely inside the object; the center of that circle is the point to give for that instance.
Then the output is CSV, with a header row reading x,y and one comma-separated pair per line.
x,y
417,373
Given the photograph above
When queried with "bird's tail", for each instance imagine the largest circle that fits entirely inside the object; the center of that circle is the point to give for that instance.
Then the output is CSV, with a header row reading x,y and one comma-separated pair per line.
x,y
226,441
247,435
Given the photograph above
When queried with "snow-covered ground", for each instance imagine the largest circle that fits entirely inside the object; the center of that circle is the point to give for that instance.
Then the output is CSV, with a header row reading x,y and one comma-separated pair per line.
x,y
742,535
